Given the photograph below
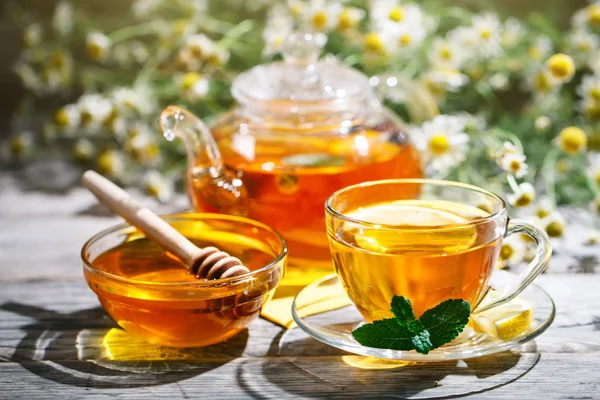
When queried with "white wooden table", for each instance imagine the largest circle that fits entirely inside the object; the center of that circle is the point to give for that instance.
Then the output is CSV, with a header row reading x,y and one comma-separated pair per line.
x,y
53,333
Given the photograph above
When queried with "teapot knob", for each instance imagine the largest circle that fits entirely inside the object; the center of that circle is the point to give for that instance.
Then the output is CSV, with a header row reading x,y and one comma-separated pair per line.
x,y
303,48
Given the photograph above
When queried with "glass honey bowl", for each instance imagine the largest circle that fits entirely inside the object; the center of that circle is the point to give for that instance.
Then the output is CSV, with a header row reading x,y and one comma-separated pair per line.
x,y
303,128
149,293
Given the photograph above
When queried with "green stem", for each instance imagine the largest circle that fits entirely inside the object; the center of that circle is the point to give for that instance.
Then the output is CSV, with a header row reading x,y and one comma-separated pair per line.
x,y
234,34
549,171
512,183
131,31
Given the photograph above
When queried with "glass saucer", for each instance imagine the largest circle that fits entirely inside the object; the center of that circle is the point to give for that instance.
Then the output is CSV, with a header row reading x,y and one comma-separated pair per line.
x,y
324,311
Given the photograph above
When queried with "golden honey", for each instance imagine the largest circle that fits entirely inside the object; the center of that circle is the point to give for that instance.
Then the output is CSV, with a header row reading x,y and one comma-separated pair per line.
x,y
149,292
431,254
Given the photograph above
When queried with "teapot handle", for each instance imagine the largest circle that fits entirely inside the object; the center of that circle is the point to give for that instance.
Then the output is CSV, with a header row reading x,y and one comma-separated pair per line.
x,y
211,186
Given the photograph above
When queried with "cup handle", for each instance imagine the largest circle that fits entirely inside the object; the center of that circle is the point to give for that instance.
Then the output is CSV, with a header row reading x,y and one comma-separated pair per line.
x,y
535,267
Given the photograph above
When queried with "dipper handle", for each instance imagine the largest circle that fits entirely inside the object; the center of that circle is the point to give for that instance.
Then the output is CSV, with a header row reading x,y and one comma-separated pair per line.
x,y
209,262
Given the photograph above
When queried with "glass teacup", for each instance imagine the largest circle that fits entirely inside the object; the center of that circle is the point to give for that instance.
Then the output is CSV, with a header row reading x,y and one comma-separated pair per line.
x,y
426,240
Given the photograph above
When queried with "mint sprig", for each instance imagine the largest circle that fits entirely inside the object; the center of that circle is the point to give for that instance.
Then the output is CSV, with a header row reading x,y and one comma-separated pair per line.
x,y
436,327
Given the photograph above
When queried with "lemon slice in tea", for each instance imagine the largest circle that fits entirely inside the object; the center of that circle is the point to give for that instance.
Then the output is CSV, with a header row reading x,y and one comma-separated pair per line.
x,y
414,213
505,322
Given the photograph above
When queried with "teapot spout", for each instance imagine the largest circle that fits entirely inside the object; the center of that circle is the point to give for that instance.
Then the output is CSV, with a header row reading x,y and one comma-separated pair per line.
x,y
210,185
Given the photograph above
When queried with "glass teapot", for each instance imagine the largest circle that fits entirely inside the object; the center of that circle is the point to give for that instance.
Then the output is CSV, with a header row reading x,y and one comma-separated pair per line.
x,y
303,129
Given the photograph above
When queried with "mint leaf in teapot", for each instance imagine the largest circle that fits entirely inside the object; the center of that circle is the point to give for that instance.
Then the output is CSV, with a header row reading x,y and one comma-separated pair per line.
x,y
313,160
436,327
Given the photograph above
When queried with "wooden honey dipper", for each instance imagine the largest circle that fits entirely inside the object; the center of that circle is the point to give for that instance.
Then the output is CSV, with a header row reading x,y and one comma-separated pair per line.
x,y
208,262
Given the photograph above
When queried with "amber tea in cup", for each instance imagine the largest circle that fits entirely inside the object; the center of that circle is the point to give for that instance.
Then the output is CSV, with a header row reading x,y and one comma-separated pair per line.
x,y
148,291
426,240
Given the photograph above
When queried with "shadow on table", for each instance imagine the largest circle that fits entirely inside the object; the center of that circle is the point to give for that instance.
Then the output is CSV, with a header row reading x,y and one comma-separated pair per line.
x,y
87,349
312,369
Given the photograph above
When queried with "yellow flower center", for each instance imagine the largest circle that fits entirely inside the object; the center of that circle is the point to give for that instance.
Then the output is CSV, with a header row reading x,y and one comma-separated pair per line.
x,y
438,144
592,111
405,40
584,47
319,20
572,140
374,43
485,33
515,165
525,199
542,213
598,177
153,189
152,151
345,21
594,14
541,83
396,14
95,52
106,163
555,229
561,66
86,118
58,59
190,79
62,117
506,252
180,26
17,146
595,93
535,53
296,9
445,53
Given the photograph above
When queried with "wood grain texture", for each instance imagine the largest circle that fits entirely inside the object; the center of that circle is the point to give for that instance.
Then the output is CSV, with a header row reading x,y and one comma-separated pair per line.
x,y
56,341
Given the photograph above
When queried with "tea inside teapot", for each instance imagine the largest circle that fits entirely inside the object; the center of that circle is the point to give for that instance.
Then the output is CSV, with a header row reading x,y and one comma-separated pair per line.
x,y
303,129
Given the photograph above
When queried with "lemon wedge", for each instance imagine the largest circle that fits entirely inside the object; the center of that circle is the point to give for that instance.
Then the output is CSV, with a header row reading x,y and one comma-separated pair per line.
x,y
507,321
410,213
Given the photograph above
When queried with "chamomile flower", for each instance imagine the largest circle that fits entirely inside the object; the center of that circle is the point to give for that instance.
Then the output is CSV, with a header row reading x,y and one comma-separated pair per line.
x,y
561,67
592,238
111,163
410,34
554,224
443,142
139,99
582,44
542,124
143,149
388,11
20,145
94,110
296,7
349,18
588,16
68,117
139,52
541,82
194,85
523,196
440,81
97,46
379,43
487,30
543,208
499,81
143,8
540,48
278,27
512,251
473,123
321,15
514,164
156,185
590,108
506,149
572,140
83,150
32,35
200,46
446,54
62,20
590,87
512,32
219,57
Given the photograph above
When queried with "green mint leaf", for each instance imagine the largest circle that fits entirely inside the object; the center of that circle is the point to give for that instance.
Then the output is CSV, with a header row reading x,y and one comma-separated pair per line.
x,y
446,320
402,310
420,339
384,334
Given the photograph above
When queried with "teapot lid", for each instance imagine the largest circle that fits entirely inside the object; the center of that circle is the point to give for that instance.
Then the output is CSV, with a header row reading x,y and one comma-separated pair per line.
x,y
301,82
